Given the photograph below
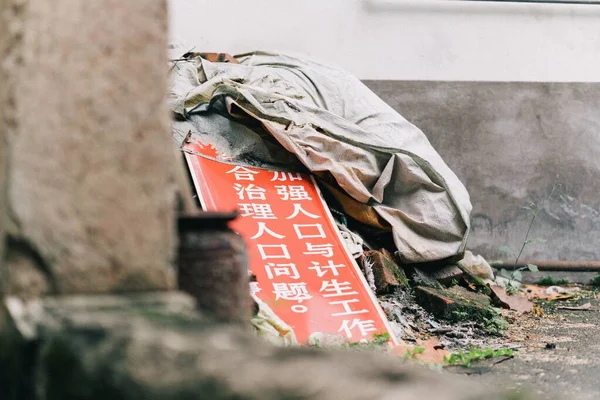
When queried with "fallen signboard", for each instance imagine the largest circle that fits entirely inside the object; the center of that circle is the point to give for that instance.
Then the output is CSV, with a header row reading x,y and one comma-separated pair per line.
x,y
304,272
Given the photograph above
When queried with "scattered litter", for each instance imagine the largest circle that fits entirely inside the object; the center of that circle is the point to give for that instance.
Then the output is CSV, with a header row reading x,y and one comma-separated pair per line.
x,y
401,315
270,327
476,266
560,290
505,282
366,263
583,307
515,302
353,242
537,311
551,293
433,324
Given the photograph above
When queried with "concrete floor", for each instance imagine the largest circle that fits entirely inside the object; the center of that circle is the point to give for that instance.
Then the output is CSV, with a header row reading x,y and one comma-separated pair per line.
x,y
569,371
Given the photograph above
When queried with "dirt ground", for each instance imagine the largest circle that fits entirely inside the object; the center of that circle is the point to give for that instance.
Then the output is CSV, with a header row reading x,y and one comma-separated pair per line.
x,y
558,354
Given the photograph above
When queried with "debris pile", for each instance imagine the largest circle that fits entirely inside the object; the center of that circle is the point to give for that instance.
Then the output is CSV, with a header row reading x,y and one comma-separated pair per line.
x,y
401,212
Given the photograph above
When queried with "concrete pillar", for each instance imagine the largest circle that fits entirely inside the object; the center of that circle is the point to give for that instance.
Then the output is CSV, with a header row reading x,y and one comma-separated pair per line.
x,y
3,37
11,29
90,184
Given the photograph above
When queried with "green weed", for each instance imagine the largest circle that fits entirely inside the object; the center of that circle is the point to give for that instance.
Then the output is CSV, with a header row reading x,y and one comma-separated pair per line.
x,y
380,340
490,321
475,354
550,281
411,353
516,275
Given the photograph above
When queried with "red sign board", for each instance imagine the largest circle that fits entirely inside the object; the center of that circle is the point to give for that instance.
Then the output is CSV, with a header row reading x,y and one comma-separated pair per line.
x,y
303,270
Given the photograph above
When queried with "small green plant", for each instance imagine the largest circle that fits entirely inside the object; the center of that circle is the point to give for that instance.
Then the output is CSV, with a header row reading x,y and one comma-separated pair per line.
x,y
511,289
460,316
596,280
550,281
496,325
380,340
490,321
516,274
412,353
475,354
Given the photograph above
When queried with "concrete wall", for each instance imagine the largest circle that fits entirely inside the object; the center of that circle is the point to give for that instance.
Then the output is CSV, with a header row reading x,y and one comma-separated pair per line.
x,y
508,142
406,40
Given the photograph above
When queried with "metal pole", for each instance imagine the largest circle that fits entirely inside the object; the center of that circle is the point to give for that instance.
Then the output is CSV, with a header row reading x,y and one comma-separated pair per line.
x,y
553,265
537,1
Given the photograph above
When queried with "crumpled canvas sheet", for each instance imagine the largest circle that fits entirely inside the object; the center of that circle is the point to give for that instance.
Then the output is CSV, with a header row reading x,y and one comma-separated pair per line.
x,y
340,131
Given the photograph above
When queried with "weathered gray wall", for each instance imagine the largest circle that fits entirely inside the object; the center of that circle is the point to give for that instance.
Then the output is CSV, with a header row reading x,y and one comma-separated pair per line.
x,y
11,34
90,184
3,92
508,142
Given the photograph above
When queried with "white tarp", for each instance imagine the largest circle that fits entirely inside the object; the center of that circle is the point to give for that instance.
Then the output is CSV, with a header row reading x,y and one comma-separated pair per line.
x,y
340,131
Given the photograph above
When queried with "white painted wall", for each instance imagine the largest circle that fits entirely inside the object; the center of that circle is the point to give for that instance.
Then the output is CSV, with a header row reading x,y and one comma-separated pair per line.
x,y
403,39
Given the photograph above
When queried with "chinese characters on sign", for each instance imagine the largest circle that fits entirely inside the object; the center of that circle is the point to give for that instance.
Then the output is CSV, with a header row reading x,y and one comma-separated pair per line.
x,y
302,269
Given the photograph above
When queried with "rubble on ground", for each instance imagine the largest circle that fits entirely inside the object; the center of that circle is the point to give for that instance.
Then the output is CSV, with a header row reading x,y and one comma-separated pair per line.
x,y
430,287
387,275
455,304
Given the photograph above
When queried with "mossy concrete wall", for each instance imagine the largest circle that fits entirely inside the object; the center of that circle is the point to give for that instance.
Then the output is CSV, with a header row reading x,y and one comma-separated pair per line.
x,y
508,142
